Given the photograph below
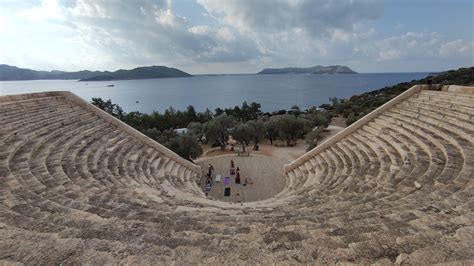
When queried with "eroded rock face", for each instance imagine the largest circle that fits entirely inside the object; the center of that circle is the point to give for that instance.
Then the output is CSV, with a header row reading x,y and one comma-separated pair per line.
x,y
77,188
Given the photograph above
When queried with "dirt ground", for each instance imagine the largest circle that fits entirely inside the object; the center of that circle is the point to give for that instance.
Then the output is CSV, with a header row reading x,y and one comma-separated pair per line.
x,y
339,121
263,173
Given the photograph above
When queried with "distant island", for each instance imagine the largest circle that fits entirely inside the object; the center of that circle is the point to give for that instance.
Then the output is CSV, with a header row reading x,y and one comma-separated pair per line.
x,y
15,73
309,70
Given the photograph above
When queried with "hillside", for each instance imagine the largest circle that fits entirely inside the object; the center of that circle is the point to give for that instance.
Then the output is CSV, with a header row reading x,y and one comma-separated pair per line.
x,y
15,73
359,105
140,73
309,70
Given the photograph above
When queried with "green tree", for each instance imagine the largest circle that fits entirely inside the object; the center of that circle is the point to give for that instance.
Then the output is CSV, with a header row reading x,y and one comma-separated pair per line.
x,y
246,113
313,137
295,110
254,111
326,106
157,121
166,135
133,119
318,118
271,129
152,133
258,130
219,111
169,117
180,119
243,134
190,115
236,112
217,130
109,107
205,116
185,145
290,128
196,130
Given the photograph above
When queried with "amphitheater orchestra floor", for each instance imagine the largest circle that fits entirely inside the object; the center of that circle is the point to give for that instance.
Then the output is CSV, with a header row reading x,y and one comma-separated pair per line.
x,y
266,173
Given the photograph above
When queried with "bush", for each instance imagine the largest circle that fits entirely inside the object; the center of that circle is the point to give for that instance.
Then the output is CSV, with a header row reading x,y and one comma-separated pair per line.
x,y
351,119
185,145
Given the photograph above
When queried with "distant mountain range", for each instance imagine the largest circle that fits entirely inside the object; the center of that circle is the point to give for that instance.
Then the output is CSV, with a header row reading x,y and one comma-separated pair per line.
x,y
309,70
14,73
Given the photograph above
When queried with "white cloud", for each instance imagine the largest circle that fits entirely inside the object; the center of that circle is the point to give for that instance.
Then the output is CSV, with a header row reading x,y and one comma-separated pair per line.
x,y
6,25
200,30
89,9
388,55
49,9
417,45
399,26
317,17
167,18
226,34
246,34
298,32
457,48
149,32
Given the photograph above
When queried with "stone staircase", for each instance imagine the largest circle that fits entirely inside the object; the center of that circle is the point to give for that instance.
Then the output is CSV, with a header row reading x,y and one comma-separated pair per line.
x,y
79,186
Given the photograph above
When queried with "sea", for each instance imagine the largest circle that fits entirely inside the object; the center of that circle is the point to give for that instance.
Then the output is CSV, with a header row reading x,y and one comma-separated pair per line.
x,y
273,92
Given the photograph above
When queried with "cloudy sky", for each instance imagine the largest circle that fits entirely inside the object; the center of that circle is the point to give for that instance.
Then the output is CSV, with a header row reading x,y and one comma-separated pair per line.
x,y
237,36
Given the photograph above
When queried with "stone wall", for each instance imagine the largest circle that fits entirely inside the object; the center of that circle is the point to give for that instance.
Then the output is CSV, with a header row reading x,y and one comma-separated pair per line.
x,y
458,89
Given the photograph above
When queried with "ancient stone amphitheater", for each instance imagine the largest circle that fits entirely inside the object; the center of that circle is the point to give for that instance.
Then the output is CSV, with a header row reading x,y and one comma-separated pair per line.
x,y
79,186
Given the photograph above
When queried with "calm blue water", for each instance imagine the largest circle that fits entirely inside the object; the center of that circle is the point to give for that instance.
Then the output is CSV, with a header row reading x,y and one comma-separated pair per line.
x,y
274,92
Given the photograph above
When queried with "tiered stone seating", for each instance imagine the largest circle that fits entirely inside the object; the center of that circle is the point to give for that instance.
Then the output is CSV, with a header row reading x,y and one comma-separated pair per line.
x,y
438,140
58,152
77,186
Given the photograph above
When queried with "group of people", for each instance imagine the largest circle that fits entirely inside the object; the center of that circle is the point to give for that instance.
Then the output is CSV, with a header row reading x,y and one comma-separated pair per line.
x,y
234,171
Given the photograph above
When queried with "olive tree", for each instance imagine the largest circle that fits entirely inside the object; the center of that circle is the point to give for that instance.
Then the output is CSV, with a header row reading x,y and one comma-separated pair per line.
x,y
196,130
271,129
243,134
258,130
290,128
217,130
184,145
313,137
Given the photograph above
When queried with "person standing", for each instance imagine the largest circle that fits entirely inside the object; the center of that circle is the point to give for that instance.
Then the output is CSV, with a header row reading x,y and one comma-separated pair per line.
x,y
237,176
210,169
232,170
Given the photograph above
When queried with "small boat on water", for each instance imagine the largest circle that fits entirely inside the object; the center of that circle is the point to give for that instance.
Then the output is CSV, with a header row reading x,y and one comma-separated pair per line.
x,y
111,85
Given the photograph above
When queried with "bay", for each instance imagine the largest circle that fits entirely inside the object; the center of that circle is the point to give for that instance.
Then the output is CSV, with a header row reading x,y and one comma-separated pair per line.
x,y
273,92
